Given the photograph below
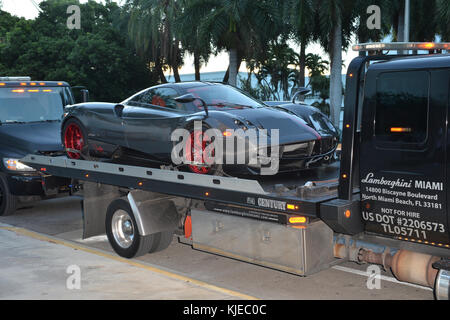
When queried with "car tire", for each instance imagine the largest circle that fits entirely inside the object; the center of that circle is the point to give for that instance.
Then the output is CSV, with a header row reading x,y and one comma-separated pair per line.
x,y
77,126
8,202
123,233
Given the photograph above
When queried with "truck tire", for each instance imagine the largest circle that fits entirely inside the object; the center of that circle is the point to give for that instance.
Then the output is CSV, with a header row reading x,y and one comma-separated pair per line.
x,y
123,234
162,242
8,202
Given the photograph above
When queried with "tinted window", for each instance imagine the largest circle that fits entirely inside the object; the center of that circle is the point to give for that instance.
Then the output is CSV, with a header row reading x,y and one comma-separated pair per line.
x,y
162,97
223,96
402,107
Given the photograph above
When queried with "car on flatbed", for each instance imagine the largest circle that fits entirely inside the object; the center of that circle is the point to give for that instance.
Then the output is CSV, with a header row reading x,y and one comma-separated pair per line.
x,y
139,129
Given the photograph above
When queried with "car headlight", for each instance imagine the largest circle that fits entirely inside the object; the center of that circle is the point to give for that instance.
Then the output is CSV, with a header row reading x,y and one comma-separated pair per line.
x,y
16,165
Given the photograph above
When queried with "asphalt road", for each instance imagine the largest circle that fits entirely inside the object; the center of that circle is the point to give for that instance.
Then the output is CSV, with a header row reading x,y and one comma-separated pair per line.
x,y
61,219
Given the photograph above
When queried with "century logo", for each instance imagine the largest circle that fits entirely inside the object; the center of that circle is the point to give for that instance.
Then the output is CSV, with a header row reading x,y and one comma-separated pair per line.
x,y
272,204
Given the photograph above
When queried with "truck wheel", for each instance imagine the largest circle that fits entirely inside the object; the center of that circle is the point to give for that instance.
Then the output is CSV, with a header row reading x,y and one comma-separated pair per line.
x,y
123,234
162,241
8,202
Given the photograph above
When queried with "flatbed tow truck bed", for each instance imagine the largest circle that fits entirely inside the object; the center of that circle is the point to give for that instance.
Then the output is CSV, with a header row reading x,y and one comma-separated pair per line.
x,y
302,191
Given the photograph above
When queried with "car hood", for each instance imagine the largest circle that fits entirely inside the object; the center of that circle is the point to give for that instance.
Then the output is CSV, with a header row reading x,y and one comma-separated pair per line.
x,y
291,128
31,137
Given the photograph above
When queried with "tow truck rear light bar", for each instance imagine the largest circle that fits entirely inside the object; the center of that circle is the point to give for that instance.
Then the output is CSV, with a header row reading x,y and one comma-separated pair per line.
x,y
24,78
401,46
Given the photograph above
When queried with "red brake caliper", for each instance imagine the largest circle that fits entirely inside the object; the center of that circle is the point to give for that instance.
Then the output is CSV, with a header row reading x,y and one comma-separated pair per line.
x,y
73,139
196,152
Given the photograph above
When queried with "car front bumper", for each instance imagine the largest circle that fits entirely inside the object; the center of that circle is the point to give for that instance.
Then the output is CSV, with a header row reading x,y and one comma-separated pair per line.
x,y
37,185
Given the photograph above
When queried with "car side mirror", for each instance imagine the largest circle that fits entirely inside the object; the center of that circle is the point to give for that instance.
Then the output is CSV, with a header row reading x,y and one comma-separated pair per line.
x,y
187,98
85,95
300,92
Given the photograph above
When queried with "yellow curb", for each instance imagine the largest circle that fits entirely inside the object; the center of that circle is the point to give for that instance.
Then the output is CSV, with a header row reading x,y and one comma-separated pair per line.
x,y
169,274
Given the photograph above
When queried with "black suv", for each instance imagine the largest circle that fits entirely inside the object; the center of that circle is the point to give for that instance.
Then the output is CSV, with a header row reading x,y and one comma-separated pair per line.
x,y
30,120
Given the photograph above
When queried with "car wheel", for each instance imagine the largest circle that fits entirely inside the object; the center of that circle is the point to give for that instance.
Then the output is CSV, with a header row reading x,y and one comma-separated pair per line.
x,y
75,140
8,202
123,234
198,142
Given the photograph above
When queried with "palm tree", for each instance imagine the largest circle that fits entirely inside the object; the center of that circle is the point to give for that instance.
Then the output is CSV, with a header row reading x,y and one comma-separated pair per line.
x,y
192,41
443,18
239,26
362,32
277,66
151,29
300,15
333,29
424,23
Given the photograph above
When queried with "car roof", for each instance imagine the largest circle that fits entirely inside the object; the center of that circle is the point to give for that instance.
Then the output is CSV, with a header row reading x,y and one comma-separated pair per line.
x,y
190,84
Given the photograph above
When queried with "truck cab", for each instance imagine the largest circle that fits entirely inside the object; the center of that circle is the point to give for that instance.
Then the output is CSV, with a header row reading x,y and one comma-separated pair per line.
x,y
30,117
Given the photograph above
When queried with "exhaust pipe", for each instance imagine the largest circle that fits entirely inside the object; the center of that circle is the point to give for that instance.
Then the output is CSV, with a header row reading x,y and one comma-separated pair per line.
x,y
406,266
414,267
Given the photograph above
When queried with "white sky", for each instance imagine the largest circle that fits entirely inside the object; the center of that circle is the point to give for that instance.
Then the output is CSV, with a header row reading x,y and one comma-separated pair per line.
x,y
25,8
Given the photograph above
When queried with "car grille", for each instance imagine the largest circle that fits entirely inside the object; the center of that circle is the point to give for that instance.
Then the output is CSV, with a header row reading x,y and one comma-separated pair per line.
x,y
300,150
324,145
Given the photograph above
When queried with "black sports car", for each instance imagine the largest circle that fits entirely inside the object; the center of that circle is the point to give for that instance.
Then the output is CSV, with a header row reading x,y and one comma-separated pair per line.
x,y
139,130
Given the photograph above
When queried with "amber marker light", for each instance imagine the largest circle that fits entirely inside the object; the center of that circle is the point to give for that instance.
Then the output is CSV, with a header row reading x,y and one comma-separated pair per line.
x,y
2,84
400,130
295,220
428,45
18,90
348,214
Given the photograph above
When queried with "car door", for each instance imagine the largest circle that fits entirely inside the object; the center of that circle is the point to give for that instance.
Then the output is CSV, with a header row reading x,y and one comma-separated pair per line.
x,y
403,154
150,119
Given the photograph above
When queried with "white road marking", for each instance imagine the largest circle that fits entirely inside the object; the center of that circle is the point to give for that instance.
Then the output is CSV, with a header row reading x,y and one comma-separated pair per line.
x,y
385,278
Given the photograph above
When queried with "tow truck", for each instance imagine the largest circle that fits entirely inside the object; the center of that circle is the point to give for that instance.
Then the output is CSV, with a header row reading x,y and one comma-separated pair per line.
x,y
385,202
30,117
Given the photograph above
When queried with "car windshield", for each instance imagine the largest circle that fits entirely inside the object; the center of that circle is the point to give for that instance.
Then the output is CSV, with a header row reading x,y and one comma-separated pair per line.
x,y
24,105
321,122
222,96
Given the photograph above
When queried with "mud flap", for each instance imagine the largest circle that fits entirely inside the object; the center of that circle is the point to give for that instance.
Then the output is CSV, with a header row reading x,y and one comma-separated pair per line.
x,y
97,198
